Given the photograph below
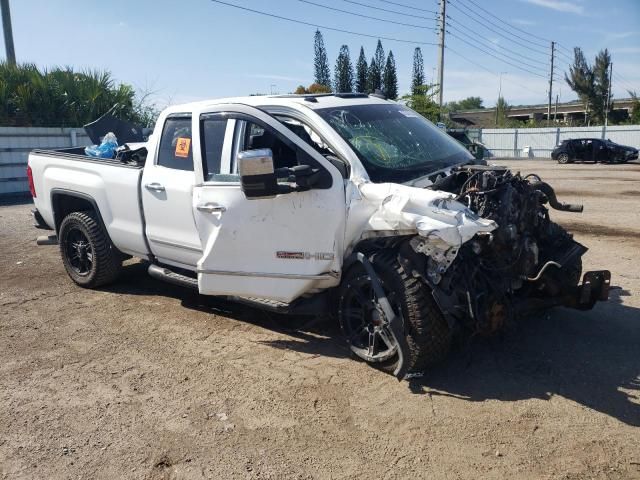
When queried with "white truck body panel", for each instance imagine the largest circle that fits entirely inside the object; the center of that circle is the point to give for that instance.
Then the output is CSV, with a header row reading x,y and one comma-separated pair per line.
x,y
265,232
114,189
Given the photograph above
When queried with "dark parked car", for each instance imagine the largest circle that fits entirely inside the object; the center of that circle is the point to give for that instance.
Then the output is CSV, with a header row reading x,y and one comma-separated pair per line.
x,y
593,150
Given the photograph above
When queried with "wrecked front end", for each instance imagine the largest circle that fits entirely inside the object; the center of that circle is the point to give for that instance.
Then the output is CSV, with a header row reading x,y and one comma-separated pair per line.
x,y
485,245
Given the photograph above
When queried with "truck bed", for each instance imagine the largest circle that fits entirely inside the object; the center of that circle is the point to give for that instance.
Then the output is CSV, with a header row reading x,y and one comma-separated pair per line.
x,y
112,185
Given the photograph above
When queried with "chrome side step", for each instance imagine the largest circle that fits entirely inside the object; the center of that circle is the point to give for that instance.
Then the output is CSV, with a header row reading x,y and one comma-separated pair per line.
x,y
166,275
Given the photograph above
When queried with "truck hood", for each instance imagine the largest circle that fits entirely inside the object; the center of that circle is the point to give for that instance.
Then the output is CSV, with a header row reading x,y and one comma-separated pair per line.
x,y
432,214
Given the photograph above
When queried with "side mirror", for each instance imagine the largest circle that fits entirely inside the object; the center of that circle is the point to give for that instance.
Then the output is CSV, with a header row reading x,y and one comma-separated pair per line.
x,y
258,178
257,175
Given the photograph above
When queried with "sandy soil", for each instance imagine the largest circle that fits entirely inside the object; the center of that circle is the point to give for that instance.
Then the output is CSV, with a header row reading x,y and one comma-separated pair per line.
x,y
147,380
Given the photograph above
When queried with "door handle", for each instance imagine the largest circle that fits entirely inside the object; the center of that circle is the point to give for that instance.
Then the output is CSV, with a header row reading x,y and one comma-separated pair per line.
x,y
155,186
211,208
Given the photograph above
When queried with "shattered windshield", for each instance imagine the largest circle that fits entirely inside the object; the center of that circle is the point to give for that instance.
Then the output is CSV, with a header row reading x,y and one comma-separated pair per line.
x,y
394,143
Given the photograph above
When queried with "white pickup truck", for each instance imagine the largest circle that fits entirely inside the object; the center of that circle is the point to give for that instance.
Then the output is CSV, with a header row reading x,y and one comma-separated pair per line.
x,y
342,203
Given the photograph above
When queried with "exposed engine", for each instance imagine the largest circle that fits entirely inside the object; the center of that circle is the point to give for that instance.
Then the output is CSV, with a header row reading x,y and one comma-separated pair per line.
x,y
526,263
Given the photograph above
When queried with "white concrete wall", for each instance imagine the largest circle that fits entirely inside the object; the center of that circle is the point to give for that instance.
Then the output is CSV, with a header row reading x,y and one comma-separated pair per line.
x,y
17,142
510,142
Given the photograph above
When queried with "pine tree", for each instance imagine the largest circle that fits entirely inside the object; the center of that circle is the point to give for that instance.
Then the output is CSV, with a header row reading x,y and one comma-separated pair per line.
x,y
343,78
580,78
601,82
376,69
417,79
374,77
321,63
361,72
390,79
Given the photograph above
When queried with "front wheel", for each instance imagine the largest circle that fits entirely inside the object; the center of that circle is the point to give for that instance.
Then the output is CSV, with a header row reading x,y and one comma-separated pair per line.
x,y
563,158
88,255
364,324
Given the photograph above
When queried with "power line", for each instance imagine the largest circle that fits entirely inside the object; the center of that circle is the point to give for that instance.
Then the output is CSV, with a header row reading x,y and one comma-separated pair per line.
x,y
390,11
509,24
496,57
315,25
566,57
497,32
366,16
479,65
564,48
502,25
494,45
621,81
407,6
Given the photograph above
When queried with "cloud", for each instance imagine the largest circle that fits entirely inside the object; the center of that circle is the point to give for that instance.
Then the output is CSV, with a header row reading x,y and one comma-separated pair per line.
x,y
558,5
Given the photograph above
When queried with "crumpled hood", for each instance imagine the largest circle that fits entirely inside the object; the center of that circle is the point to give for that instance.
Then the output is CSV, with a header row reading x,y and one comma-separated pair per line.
x,y
433,214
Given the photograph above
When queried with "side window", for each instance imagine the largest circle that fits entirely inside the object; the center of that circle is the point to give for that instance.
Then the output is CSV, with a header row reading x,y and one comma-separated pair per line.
x,y
213,134
256,137
307,134
175,144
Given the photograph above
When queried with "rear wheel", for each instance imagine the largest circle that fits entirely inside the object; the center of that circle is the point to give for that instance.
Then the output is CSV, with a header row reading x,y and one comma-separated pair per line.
x,y
364,324
563,158
88,255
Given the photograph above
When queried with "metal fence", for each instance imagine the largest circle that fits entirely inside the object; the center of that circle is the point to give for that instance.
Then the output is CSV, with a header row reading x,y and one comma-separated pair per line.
x,y
17,142
539,142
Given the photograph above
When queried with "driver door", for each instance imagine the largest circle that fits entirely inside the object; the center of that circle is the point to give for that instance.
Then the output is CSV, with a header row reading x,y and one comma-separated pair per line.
x,y
271,248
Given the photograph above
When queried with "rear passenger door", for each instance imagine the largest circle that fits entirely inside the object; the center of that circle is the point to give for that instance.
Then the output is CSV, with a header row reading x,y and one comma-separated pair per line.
x,y
167,191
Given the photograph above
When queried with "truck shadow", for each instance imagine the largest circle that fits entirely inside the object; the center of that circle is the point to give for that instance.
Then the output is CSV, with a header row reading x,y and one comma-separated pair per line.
x,y
311,335
592,358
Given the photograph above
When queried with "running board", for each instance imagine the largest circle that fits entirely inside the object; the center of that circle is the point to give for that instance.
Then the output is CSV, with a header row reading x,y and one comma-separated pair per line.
x,y
315,305
166,275
263,304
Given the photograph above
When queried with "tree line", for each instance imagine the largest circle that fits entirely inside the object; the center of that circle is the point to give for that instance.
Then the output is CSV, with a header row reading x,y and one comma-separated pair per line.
x,y
65,97
378,75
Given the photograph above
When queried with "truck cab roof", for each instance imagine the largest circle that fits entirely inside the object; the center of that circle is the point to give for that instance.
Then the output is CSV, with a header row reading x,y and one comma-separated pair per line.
x,y
312,101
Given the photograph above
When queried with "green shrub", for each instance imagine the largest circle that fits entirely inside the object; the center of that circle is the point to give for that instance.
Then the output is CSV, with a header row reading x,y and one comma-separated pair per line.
x,y
61,97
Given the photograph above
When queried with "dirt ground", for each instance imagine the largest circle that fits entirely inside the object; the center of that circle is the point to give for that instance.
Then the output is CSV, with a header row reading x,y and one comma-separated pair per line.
x,y
148,380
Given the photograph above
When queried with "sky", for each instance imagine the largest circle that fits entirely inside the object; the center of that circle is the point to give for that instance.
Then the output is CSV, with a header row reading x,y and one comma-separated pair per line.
x,y
198,49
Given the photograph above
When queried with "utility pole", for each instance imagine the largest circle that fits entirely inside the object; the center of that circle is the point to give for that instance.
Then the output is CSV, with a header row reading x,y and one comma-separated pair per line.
x,y
443,23
606,112
8,32
499,95
555,112
553,50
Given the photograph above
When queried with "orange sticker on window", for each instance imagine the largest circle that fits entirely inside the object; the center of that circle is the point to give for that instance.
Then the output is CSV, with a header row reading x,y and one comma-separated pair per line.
x,y
182,147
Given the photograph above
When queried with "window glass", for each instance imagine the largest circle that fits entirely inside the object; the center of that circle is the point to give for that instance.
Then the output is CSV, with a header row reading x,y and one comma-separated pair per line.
x,y
213,133
307,134
256,137
394,143
176,150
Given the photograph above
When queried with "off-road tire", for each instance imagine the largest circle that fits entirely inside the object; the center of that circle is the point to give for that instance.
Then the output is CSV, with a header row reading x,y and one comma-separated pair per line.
x,y
106,259
563,158
426,331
